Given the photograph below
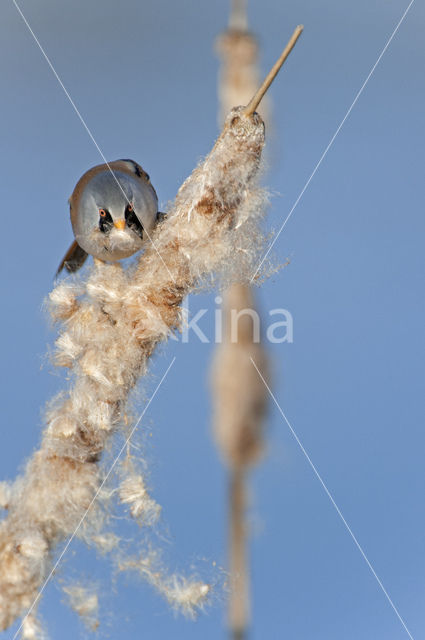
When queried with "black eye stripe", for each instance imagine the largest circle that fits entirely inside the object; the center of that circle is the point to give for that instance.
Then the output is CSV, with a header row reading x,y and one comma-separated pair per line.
x,y
105,222
133,221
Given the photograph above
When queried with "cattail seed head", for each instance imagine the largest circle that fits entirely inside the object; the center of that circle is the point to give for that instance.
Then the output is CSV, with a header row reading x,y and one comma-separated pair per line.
x,y
111,324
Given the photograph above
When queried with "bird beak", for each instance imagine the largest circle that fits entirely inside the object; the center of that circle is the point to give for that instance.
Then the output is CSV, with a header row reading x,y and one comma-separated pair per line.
x,y
119,224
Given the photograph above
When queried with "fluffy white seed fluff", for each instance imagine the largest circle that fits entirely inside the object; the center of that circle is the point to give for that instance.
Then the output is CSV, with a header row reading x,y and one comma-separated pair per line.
x,y
84,601
109,328
32,629
133,493
187,595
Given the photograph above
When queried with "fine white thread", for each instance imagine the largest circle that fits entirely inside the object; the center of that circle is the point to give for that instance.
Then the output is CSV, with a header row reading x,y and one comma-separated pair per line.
x,y
83,122
322,157
319,477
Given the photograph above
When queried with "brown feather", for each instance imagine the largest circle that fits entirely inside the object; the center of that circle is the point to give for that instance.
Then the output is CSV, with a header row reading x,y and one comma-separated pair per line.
x,y
73,259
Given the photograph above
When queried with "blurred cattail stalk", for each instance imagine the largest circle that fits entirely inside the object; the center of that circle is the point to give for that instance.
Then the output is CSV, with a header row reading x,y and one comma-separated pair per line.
x,y
240,402
239,394
239,73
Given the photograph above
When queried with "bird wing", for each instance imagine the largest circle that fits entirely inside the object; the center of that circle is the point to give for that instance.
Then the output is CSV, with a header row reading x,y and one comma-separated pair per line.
x,y
73,259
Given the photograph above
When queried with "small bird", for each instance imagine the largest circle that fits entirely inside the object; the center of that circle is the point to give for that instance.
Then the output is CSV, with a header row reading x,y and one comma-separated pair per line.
x,y
113,209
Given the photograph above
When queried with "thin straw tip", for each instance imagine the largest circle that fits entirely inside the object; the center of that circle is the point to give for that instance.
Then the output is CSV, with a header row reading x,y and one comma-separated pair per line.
x,y
256,99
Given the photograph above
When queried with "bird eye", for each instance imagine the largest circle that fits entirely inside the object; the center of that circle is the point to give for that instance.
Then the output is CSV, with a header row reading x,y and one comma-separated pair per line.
x,y
105,221
129,208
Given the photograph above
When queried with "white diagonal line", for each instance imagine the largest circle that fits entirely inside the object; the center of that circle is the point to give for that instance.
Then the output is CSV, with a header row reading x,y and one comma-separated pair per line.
x,y
319,477
83,122
322,157
93,500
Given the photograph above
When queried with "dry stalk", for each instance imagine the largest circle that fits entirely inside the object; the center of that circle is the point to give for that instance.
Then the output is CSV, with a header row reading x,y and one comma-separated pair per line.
x,y
239,401
239,76
256,99
239,395
240,398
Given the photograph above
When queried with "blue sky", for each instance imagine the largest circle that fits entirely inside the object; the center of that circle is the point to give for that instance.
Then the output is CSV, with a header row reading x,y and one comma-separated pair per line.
x,y
143,75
